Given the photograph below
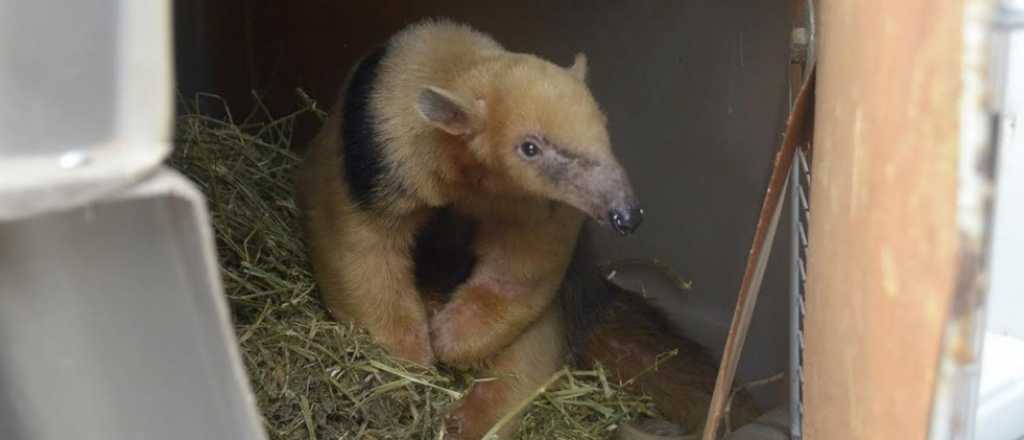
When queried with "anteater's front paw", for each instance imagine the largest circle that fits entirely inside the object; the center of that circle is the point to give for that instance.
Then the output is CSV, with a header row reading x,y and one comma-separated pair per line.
x,y
458,333
479,410
410,342
466,424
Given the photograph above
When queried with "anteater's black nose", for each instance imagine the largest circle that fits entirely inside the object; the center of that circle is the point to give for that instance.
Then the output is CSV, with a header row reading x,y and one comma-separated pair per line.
x,y
626,221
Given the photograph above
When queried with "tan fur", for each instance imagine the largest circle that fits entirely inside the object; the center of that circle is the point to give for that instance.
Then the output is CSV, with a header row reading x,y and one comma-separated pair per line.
x,y
453,107
504,319
518,370
628,343
361,262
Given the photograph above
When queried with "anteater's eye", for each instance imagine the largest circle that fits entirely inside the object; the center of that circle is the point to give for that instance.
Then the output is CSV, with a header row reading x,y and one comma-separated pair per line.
x,y
529,149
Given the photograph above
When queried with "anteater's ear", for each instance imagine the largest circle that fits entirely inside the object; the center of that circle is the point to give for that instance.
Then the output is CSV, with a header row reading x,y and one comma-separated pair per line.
x,y
449,112
579,67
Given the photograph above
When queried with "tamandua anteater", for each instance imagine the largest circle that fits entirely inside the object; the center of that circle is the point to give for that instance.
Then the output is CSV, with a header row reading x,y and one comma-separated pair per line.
x,y
602,323
442,133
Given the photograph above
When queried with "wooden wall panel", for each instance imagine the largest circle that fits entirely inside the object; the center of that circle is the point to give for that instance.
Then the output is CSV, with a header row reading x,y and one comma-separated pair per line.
x,y
883,227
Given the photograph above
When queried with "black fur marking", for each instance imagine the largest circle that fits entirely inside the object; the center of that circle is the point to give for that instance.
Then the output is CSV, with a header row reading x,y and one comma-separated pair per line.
x,y
364,163
443,253
556,170
557,167
584,162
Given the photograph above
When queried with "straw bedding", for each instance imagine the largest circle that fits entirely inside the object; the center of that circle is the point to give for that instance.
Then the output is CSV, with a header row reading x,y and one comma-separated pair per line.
x,y
315,378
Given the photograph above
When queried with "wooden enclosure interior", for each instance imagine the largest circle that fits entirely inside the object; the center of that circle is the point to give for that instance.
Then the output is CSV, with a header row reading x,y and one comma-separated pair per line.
x,y
695,93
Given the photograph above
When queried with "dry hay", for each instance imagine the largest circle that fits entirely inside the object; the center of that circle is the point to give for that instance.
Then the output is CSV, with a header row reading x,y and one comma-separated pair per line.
x,y
315,378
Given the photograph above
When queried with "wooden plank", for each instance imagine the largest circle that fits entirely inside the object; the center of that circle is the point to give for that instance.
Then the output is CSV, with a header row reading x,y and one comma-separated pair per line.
x,y
883,242
797,131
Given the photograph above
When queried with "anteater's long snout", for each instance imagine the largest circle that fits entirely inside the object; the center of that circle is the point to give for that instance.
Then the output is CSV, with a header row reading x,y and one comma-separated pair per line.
x,y
611,199
627,220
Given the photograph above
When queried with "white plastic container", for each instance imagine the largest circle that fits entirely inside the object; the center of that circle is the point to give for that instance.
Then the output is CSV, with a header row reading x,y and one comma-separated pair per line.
x,y
85,99
114,325
113,322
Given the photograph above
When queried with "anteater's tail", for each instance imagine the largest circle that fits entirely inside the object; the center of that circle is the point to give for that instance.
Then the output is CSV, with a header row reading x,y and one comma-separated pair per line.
x,y
632,340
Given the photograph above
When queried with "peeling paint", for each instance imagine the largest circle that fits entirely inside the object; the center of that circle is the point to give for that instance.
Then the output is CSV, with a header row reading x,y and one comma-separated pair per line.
x,y
955,397
859,179
890,276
